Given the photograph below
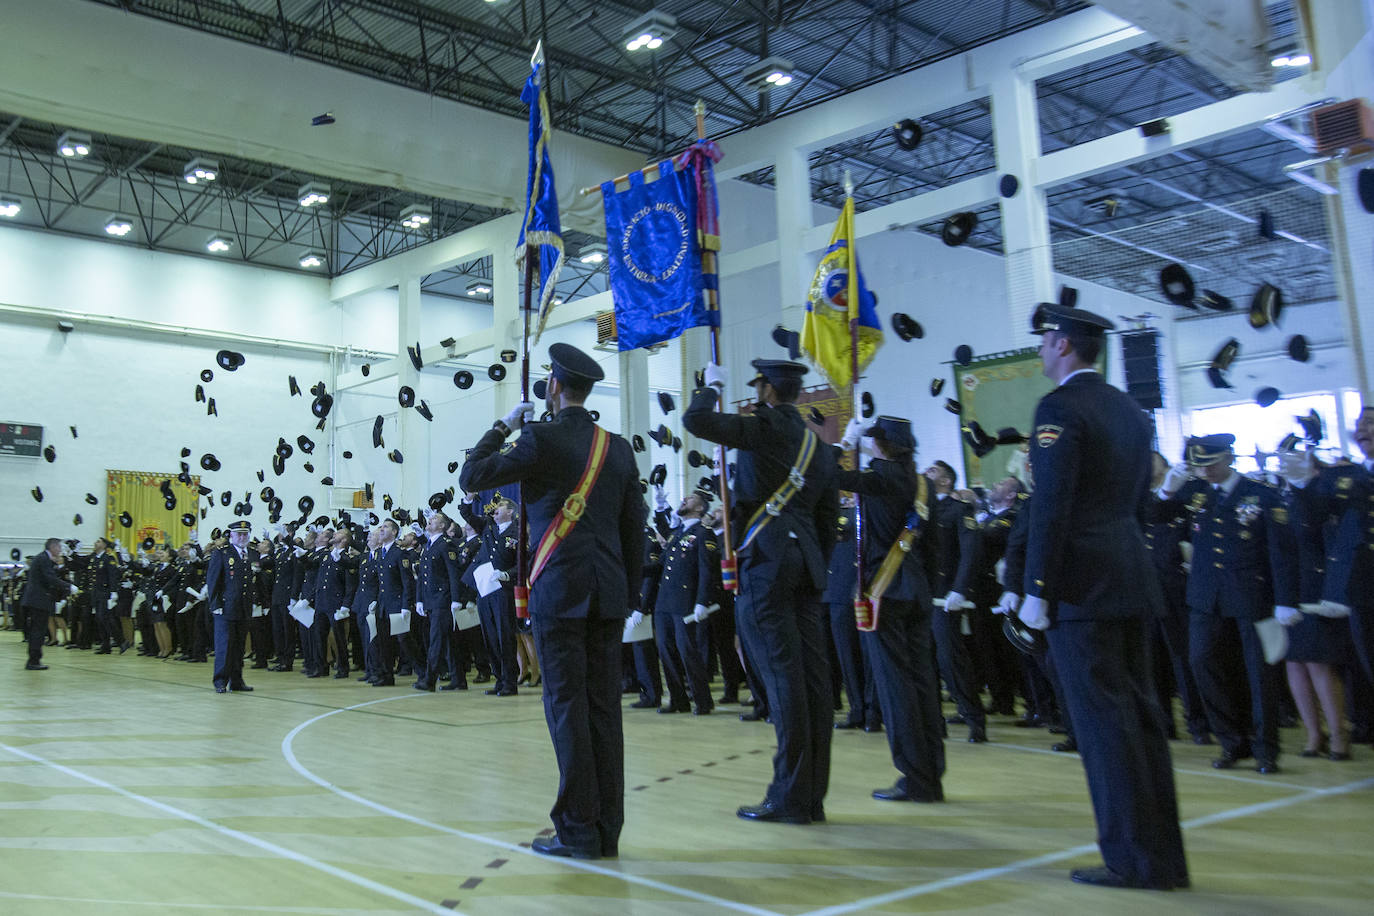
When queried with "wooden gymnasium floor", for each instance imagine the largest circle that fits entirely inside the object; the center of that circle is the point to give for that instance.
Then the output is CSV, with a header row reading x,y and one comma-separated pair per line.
x,y
128,786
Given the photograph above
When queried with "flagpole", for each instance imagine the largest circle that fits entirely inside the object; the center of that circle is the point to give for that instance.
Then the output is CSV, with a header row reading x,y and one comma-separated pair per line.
x,y
728,563
854,391
531,253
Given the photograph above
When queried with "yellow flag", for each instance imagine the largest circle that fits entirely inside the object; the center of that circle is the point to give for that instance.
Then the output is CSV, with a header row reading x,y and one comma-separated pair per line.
x,y
838,298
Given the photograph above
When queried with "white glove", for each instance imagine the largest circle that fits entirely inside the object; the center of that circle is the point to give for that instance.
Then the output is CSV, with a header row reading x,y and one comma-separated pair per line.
x,y
218,610
109,605
1007,604
1287,615
698,614
660,498
1000,568
300,551
114,596
157,594
453,607
502,575
1297,468
714,376
1176,477
1035,612
956,602
371,606
341,614
853,430
1326,608
519,415
420,608
634,620
346,611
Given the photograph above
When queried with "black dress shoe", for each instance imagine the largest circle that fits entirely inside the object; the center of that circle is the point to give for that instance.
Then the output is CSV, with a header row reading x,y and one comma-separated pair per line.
x,y
1102,876
384,682
367,677
729,699
553,846
240,688
1065,747
492,691
508,692
644,704
220,688
461,685
1029,722
420,685
1319,751
977,734
872,727
125,647
1266,767
340,675
1228,759
1338,756
481,679
702,711
842,726
670,709
1054,728
101,652
896,794
771,812
35,666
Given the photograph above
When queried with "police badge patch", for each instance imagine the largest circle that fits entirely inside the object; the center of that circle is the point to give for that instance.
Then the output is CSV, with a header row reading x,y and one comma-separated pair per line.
x,y
1047,434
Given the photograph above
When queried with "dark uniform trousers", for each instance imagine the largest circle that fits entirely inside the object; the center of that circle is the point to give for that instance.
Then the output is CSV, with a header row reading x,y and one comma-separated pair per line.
x,y
908,692
497,613
1107,679
230,636
783,628
854,652
1227,657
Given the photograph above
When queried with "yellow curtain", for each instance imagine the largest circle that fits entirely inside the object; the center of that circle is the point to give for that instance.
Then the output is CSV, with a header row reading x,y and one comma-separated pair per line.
x,y
139,493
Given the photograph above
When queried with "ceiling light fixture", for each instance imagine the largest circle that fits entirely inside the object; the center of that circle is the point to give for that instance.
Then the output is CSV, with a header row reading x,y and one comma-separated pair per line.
x,y
10,206
119,225
198,170
313,193
650,31
479,288
593,253
312,258
768,73
74,144
218,244
415,216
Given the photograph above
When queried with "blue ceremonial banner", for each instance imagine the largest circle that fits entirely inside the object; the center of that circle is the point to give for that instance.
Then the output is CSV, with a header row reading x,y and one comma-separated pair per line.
x,y
541,226
655,258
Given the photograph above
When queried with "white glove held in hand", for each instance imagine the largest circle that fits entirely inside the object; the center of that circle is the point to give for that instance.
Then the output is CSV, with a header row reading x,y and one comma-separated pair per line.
x,y
852,431
714,376
1176,477
956,602
634,620
420,608
698,614
1007,604
1287,615
660,498
519,415
502,575
1035,612
1297,467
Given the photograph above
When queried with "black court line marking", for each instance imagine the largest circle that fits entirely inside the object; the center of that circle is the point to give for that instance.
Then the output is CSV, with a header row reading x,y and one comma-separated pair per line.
x,y
470,883
497,863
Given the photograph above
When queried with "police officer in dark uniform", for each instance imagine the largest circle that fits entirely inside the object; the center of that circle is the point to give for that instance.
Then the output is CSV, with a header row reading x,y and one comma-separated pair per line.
x,y
395,595
335,585
436,587
229,593
43,588
468,647
894,499
499,539
647,672
680,608
1244,569
856,669
955,546
786,509
283,561
1090,455
102,577
584,578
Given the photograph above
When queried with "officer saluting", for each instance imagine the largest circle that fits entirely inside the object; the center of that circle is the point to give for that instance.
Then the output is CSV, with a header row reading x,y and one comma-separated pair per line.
x,y
229,594
1090,455
586,516
786,510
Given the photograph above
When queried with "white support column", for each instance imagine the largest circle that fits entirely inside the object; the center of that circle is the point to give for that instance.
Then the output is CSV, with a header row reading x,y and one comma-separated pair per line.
x,y
694,348
634,400
411,428
1025,220
792,178
506,326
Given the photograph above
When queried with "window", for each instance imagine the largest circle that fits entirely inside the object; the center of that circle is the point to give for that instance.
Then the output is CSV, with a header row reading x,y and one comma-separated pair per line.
x,y
1258,430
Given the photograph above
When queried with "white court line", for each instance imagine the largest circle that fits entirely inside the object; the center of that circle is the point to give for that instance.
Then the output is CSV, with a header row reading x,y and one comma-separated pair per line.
x,y
296,765
267,846
1218,774
987,874
164,905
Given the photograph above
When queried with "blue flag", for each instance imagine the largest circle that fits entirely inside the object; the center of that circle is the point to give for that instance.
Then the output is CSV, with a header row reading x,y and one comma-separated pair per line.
x,y
655,257
541,226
